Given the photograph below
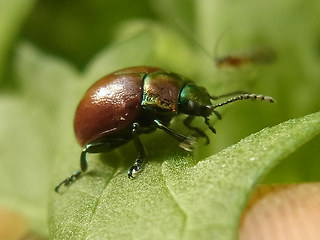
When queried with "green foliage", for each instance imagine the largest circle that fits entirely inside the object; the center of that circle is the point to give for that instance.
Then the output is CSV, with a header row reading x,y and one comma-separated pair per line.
x,y
12,15
178,195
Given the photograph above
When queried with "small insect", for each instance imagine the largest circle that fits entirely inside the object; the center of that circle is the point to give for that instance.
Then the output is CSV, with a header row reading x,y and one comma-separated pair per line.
x,y
132,101
261,55
257,55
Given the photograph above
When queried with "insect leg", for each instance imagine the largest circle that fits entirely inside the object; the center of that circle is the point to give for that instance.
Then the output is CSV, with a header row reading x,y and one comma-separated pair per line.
x,y
68,180
187,122
136,167
207,122
83,164
186,142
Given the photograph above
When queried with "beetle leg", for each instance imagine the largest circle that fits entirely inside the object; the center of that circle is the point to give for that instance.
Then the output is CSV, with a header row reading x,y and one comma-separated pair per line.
x,y
186,142
83,158
83,163
206,120
187,123
68,180
136,167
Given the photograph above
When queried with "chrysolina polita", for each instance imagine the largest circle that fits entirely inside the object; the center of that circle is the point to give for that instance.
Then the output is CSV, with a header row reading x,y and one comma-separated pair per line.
x,y
126,103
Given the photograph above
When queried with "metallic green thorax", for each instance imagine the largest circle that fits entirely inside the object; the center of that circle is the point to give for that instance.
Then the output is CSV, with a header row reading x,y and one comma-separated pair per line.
x,y
161,92
194,100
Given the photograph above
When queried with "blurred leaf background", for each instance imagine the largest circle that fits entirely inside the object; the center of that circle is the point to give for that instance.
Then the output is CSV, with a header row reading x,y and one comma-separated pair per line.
x,y
50,52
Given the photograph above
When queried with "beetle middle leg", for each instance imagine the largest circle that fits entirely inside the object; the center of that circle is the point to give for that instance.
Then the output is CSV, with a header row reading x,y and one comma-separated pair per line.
x,y
136,167
186,142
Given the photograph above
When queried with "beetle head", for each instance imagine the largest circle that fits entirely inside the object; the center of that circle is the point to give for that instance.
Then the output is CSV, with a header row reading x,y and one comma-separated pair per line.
x,y
195,101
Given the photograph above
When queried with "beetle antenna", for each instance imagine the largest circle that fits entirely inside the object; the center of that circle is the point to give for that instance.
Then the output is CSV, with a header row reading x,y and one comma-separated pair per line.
x,y
242,97
228,94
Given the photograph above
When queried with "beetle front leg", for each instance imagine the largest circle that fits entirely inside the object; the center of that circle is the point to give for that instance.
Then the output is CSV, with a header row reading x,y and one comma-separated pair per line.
x,y
187,123
207,122
186,142
136,167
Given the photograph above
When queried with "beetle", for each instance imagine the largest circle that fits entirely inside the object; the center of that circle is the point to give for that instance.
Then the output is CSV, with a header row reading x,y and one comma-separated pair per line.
x,y
137,100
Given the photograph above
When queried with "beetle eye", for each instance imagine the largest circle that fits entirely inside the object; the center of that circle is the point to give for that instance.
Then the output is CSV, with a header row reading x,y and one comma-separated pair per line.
x,y
193,108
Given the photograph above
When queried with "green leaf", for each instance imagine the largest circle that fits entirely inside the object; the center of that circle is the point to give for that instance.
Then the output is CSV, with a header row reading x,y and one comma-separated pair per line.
x,y
214,192
28,133
175,197
12,14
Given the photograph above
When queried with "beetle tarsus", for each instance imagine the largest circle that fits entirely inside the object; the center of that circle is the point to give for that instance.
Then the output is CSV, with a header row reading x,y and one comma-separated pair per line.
x,y
188,144
130,173
207,122
68,180
134,169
